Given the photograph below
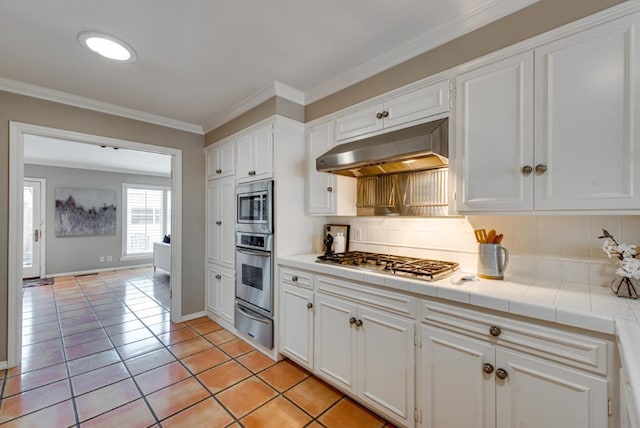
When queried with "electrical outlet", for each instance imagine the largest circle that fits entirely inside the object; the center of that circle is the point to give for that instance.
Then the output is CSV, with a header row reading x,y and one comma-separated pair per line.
x,y
357,232
109,258
101,259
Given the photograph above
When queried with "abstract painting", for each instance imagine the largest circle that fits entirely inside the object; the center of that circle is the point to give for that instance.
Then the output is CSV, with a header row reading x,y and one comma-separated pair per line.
x,y
85,212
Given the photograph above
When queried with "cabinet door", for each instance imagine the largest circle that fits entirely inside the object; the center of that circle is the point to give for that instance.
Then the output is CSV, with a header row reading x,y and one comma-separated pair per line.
x,y
220,221
587,95
255,154
214,279
494,136
321,186
418,104
455,391
546,395
296,328
335,341
226,295
359,122
221,160
386,363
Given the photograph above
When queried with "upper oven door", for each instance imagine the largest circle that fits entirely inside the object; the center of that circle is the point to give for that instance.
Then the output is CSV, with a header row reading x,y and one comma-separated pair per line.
x,y
254,207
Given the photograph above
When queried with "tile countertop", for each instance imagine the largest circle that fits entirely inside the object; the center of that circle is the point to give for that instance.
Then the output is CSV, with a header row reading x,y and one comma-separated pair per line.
x,y
573,304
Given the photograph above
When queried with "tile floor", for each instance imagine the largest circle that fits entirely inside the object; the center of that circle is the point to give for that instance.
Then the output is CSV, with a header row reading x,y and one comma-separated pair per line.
x,y
100,351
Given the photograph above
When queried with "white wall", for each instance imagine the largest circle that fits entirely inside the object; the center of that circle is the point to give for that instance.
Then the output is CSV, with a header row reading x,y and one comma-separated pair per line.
x,y
550,247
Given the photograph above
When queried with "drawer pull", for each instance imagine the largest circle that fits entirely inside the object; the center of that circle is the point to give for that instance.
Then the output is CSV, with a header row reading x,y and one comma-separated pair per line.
x,y
309,305
218,276
495,331
379,115
218,222
527,170
252,173
218,171
352,320
501,374
359,323
294,278
487,368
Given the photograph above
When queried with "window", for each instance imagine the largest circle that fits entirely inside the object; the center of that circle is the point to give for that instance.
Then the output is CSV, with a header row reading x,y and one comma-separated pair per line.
x,y
147,218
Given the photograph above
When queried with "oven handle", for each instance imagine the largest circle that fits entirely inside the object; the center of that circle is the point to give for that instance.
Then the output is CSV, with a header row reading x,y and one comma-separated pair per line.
x,y
253,317
254,253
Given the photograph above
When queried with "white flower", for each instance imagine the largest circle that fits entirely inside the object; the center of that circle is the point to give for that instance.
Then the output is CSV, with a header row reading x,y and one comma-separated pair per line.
x,y
630,268
627,251
608,247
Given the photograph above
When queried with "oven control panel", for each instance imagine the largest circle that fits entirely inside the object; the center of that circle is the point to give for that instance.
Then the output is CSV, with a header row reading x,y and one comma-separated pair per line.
x,y
255,241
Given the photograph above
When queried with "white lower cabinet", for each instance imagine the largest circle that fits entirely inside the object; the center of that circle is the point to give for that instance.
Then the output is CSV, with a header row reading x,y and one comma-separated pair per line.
x,y
368,353
473,383
220,293
296,333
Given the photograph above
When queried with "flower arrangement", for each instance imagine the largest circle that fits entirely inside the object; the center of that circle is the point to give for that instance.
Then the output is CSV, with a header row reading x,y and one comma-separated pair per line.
x,y
629,265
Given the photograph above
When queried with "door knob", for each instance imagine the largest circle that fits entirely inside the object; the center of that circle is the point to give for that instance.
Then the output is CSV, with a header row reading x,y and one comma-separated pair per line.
x,y
487,368
309,305
352,320
385,114
501,374
379,115
358,323
541,169
526,170
329,189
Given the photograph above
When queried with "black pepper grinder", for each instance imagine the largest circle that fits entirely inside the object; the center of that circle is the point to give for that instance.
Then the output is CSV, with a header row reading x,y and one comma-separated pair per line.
x,y
328,243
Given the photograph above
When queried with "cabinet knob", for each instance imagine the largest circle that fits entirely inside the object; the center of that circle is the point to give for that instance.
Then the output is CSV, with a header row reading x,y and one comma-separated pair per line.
x,y
358,323
309,305
379,115
352,320
385,114
294,278
252,173
541,169
218,276
218,171
526,170
501,374
487,368
495,331
218,222
329,189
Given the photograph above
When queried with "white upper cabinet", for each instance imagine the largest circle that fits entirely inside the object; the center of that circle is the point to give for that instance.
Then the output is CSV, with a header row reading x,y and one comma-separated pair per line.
x,y
411,106
254,154
221,159
326,194
577,149
494,129
586,143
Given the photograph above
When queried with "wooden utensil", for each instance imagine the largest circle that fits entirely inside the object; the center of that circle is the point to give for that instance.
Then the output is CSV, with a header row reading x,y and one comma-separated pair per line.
x,y
498,239
481,235
491,235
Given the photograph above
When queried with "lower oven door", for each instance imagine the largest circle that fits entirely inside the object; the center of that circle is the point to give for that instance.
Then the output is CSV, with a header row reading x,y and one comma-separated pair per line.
x,y
254,278
256,326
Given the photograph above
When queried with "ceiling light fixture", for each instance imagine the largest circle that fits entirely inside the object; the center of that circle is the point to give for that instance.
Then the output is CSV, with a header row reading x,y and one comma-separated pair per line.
x,y
107,46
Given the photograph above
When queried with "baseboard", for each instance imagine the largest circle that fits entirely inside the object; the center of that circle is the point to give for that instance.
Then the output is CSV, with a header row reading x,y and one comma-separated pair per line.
x,y
88,272
4,365
193,316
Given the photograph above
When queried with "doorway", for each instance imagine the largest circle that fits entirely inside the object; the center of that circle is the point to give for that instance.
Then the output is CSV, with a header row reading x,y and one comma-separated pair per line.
x,y
18,131
33,214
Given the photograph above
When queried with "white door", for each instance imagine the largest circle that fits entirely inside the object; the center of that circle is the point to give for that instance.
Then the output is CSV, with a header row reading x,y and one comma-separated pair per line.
x,y
541,394
494,134
297,324
321,186
586,136
335,341
386,363
457,381
33,214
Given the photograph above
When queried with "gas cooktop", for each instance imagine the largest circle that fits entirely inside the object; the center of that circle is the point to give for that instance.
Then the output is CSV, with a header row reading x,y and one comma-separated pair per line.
x,y
410,267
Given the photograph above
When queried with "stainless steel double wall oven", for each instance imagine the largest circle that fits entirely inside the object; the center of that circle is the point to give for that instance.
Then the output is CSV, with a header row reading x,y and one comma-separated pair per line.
x,y
254,261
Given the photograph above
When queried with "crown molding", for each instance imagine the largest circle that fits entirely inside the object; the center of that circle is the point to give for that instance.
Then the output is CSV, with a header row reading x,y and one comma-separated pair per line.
x,y
271,90
42,93
448,31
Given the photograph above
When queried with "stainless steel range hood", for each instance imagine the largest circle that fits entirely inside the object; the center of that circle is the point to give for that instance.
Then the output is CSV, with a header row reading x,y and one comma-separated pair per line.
x,y
417,148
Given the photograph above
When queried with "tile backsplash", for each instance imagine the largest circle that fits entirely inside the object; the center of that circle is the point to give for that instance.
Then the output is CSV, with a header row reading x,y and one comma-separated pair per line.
x,y
545,247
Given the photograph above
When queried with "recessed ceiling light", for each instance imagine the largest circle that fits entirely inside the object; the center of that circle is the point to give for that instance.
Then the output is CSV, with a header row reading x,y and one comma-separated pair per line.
x,y
107,46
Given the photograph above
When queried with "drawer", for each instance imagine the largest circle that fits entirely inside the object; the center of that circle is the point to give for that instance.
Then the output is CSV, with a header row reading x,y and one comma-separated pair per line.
x,y
296,277
366,294
567,347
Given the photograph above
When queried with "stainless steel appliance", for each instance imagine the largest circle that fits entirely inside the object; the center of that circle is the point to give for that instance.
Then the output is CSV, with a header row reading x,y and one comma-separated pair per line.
x,y
254,211
409,267
254,261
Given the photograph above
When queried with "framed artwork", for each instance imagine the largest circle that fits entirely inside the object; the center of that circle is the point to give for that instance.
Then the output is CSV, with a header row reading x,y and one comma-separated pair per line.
x,y
85,212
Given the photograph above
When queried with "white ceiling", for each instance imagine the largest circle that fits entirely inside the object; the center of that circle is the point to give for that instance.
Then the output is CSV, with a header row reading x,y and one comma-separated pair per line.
x,y
200,60
69,154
